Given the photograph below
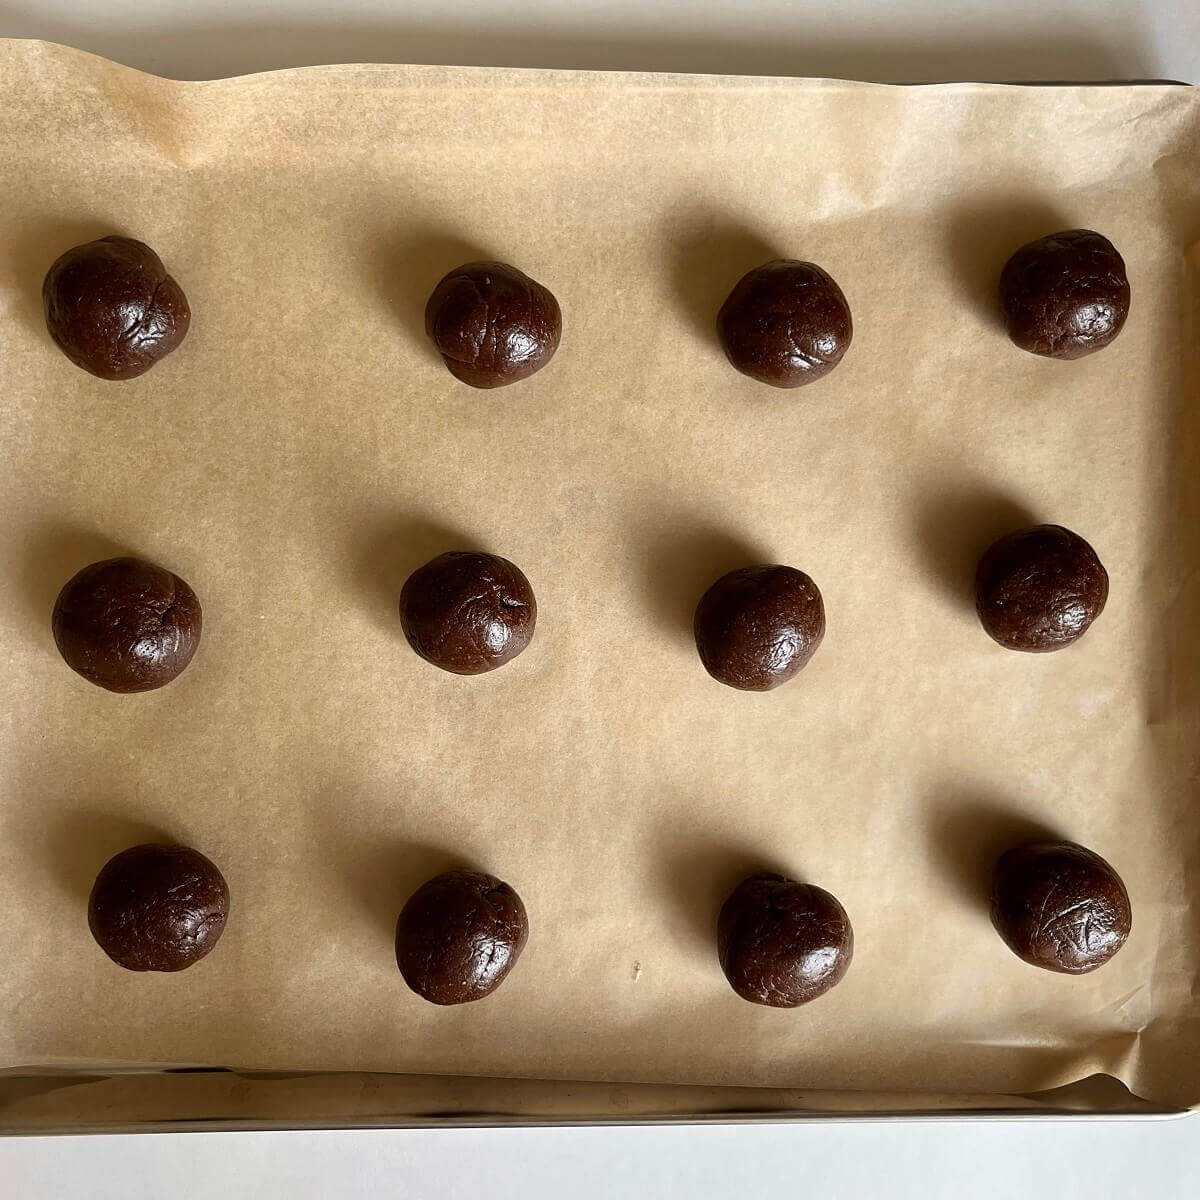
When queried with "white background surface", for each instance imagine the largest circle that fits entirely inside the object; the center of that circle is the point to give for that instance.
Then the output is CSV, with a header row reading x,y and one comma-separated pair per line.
x,y
1000,1160
888,40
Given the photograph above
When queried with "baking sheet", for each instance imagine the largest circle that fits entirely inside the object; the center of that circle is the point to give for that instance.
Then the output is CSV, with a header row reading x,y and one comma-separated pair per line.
x,y
304,450
79,1100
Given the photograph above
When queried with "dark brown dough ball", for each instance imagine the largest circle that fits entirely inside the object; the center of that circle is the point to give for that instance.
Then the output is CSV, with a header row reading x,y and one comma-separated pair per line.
x,y
783,943
1039,589
492,324
758,626
113,309
158,908
1065,295
459,935
468,612
127,625
1059,906
785,323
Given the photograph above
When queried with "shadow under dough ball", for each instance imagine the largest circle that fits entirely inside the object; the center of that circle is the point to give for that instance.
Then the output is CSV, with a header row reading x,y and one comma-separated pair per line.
x,y
1039,589
127,625
783,943
158,908
1060,906
112,308
468,612
786,323
492,324
757,627
459,935
1065,295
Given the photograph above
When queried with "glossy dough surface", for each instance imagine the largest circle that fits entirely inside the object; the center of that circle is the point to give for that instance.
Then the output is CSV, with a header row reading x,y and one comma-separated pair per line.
x,y
758,626
1039,589
1065,295
492,324
783,943
468,612
1060,906
127,625
158,908
112,308
459,935
785,323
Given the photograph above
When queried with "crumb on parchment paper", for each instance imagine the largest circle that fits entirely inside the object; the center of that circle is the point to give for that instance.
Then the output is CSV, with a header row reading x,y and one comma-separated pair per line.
x,y
637,971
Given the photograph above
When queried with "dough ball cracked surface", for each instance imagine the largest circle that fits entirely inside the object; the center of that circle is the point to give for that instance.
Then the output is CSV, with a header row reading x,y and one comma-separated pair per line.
x,y
1060,906
1039,589
492,324
158,908
468,612
112,308
785,323
459,935
783,943
757,627
127,625
1065,295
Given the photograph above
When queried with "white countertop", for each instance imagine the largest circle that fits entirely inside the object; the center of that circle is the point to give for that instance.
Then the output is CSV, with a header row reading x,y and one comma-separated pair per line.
x,y
877,1160
888,40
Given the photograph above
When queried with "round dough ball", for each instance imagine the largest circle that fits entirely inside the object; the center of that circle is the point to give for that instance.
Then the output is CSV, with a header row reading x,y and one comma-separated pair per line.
x,y
127,625
785,323
1060,906
783,943
1065,295
459,935
468,612
1039,589
112,308
492,324
158,908
758,626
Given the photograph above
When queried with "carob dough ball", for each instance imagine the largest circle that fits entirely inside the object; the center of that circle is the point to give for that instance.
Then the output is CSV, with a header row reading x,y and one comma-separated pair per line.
x,y
468,612
1060,906
158,908
459,935
1065,295
112,308
785,323
1039,589
127,625
492,324
783,943
758,626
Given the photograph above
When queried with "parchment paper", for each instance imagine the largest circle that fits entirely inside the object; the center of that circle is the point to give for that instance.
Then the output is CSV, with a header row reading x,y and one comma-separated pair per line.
x,y
305,449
